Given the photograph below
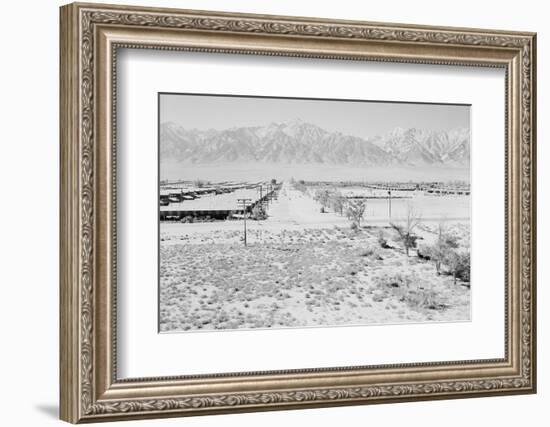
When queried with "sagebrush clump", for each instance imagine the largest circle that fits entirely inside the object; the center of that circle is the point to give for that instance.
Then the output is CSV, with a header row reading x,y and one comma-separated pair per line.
x,y
406,287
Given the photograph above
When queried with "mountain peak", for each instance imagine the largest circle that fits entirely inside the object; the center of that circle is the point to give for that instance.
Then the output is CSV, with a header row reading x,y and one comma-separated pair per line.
x,y
297,121
298,142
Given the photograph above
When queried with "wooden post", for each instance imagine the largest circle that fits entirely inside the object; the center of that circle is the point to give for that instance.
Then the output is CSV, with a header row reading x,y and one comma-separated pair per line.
x,y
244,202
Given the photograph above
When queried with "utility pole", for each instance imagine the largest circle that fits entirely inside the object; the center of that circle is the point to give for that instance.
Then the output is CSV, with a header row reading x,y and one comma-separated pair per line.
x,y
389,202
244,202
261,201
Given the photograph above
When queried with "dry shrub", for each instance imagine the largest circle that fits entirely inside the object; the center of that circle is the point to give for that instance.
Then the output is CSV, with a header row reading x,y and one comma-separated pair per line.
x,y
367,252
371,252
382,241
405,288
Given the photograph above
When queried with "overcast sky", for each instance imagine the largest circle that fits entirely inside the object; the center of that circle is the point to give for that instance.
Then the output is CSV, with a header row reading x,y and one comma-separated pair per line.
x,y
362,118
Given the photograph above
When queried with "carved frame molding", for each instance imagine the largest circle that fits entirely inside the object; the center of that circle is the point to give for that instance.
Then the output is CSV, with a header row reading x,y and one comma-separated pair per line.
x,y
89,388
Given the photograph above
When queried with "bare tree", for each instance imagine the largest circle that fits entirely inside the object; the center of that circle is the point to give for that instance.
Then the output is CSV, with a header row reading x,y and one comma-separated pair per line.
x,y
322,196
300,186
406,229
356,210
338,202
459,264
439,250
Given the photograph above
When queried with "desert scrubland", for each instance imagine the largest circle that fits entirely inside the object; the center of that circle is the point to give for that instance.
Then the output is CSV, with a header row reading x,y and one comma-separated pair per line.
x,y
309,263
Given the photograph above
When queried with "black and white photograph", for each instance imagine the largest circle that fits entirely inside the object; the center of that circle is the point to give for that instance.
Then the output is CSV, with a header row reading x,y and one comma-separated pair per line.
x,y
291,212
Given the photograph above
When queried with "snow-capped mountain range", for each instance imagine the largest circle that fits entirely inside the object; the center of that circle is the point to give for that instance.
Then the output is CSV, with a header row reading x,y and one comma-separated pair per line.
x,y
298,142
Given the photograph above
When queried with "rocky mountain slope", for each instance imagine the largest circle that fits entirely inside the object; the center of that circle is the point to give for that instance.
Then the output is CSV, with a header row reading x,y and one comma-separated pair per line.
x,y
298,142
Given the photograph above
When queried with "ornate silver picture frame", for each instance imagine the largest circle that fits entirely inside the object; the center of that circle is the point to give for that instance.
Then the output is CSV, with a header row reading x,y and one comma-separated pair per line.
x,y
92,36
